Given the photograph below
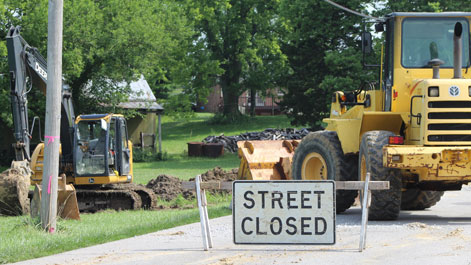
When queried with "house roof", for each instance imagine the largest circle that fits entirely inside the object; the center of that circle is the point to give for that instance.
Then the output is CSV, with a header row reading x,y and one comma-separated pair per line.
x,y
141,97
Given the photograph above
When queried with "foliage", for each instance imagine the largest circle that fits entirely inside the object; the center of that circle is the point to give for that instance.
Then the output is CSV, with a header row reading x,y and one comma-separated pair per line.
x,y
321,43
424,6
179,106
240,38
147,155
104,43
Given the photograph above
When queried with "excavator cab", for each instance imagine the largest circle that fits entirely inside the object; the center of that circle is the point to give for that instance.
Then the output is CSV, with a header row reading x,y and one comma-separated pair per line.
x,y
102,150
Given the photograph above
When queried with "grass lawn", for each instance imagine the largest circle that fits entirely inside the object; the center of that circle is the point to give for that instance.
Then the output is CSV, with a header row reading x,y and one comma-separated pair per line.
x,y
21,238
176,135
182,167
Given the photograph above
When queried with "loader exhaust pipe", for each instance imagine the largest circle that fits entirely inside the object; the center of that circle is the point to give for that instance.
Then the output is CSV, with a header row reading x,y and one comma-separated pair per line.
x,y
457,50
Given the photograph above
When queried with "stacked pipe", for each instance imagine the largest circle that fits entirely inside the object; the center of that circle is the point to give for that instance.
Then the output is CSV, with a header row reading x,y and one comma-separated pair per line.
x,y
230,142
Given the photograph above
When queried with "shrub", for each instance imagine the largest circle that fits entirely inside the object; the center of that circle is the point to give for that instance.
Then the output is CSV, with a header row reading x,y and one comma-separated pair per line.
x,y
148,155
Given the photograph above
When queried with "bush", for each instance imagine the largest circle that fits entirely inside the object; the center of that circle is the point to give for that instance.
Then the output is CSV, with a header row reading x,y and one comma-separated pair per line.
x,y
147,155
221,119
179,106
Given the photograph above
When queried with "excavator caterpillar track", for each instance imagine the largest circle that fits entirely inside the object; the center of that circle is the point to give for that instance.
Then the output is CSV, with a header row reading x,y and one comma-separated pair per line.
x,y
98,200
117,197
148,198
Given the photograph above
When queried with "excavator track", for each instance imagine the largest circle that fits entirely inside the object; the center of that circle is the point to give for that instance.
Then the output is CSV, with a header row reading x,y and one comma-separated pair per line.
x,y
116,196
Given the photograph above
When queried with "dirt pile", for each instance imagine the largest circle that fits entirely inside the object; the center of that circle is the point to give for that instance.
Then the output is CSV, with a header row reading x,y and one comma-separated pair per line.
x,y
169,187
166,187
219,174
14,186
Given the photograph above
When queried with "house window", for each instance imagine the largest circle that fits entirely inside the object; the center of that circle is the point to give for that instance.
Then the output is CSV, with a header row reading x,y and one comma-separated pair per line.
x,y
259,101
280,92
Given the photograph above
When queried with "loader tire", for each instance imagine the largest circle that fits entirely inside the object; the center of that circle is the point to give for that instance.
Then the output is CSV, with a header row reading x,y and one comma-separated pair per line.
x,y
416,199
319,156
385,204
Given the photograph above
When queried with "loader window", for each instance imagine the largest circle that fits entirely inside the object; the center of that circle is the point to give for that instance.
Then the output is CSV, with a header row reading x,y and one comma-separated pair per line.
x,y
91,147
424,39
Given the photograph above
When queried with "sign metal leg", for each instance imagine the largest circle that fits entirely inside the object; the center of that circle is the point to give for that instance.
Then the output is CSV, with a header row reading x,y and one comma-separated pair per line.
x,y
364,213
206,218
202,213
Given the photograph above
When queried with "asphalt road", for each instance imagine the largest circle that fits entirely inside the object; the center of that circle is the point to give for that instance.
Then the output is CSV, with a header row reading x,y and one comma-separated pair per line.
x,y
439,235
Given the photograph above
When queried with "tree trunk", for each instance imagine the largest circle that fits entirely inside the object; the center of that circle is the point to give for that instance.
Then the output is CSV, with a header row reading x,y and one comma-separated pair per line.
x,y
230,89
231,100
252,101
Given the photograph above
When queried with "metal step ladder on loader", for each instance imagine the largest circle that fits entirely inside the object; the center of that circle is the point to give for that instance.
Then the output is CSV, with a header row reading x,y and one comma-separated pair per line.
x,y
414,131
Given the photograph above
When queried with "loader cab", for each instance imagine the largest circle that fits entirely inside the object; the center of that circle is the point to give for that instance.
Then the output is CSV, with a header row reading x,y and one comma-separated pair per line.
x,y
102,150
411,41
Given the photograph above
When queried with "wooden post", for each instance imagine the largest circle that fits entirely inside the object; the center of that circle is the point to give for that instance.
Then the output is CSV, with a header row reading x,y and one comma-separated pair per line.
x,y
141,135
53,116
153,142
160,134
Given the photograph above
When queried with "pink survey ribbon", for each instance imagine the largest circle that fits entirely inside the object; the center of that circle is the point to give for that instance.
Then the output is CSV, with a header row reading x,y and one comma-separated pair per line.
x,y
50,139
49,185
51,230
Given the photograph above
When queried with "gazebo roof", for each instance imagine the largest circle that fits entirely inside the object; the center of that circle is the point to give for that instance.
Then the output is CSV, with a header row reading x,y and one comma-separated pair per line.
x,y
141,97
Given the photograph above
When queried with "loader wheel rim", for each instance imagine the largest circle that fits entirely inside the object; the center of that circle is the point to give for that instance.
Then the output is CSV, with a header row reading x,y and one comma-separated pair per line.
x,y
363,168
314,167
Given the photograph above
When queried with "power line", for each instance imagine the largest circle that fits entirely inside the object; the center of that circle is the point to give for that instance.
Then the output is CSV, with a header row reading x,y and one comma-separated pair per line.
x,y
351,11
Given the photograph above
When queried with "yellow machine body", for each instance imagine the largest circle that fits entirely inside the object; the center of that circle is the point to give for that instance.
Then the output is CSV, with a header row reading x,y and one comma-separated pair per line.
x,y
432,150
439,160
266,160
114,177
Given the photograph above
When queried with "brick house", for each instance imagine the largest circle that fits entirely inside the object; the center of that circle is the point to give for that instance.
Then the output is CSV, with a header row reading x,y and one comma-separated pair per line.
x,y
263,105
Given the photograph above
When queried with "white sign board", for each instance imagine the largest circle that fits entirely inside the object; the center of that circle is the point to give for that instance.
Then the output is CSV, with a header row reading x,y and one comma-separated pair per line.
x,y
283,212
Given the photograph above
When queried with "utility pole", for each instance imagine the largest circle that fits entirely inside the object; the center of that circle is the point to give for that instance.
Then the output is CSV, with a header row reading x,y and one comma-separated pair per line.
x,y
53,116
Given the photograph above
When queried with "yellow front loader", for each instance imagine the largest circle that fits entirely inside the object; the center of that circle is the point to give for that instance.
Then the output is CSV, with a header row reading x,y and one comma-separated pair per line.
x,y
414,131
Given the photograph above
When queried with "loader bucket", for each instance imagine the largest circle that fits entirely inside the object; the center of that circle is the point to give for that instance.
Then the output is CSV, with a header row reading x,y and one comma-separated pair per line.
x,y
266,160
67,206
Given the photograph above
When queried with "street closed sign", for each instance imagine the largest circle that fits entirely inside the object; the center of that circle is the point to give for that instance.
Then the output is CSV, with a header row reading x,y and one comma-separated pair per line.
x,y
284,212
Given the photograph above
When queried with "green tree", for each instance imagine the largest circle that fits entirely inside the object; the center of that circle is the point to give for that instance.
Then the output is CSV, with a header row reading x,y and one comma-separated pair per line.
x,y
240,38
107,42
321,42
424,6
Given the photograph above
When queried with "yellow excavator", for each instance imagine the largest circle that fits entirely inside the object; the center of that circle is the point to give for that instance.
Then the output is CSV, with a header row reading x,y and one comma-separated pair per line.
x,y
95,154
414,131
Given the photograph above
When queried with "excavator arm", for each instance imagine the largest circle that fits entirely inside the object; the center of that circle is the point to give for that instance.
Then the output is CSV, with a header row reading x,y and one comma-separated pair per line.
x,y
28,68
109,163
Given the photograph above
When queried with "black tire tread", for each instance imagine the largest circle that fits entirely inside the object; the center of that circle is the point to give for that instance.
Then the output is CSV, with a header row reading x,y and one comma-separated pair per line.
x,y
343,168
385,204
416,199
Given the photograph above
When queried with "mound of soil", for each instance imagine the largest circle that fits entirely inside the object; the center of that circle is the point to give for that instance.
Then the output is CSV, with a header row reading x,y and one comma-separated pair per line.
x,y
169,187
166,187
218,174
14,187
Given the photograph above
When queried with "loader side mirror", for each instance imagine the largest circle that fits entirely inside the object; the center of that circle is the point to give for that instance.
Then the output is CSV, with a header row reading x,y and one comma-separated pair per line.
x,y
366,43
379,27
